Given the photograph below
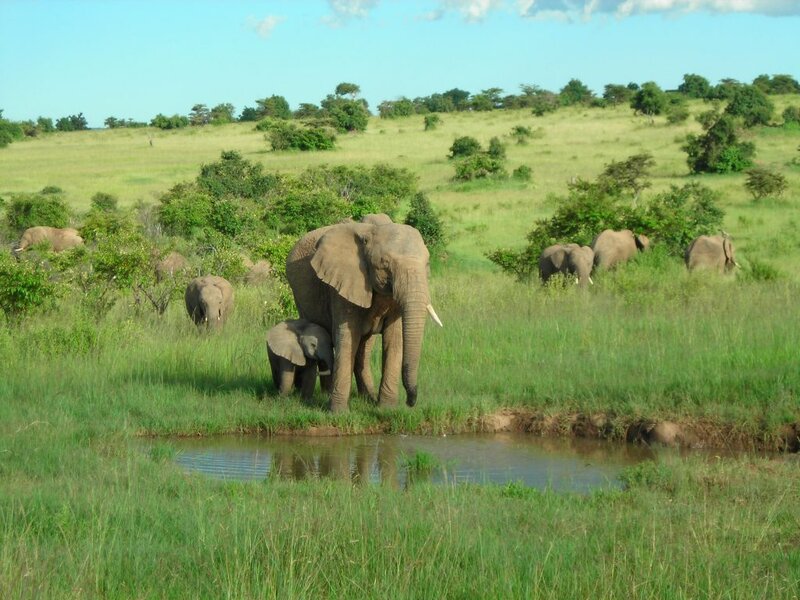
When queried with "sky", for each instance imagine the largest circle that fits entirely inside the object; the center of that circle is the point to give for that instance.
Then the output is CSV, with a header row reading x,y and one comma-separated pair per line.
x,y
137,58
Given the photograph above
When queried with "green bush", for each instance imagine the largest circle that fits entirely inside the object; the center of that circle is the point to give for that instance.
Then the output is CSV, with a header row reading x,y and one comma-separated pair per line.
x,y
763,182
496,149
104,202
174,122
422,217
346,115
31,210
719,149
791,115
288,136
300,209
522,173
464,146
100,224
233,175
479,166
521,133
649,100
219,256
125,259
24,287
275,250
10,132
751,105
185,209
432,121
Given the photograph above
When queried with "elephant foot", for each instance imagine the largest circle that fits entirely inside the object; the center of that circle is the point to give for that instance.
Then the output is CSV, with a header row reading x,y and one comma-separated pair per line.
x,y
337,406
411,397
387,403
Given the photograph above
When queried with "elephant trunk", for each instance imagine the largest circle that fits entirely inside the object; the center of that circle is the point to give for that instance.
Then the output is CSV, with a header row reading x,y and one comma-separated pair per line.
x,y
414,305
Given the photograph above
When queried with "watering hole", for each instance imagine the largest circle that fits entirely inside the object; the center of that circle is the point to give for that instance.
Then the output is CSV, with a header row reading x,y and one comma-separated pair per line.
x,y
576,465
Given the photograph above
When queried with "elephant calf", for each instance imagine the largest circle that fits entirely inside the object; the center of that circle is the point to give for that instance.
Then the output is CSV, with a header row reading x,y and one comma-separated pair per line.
x,y
568,259
296,349
614,247
209,300
712,253
59,239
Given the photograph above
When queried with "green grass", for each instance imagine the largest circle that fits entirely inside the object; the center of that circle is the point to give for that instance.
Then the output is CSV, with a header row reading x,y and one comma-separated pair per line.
x,y
84,512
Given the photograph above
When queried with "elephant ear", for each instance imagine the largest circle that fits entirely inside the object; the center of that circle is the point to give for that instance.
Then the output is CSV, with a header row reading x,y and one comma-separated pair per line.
x,y
282,340
339,261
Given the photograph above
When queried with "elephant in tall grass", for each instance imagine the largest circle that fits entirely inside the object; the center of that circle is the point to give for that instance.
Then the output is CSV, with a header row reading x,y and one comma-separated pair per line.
x,y
714,253
614,247
297,349
209,300
171,265
357,280
60,239
568,259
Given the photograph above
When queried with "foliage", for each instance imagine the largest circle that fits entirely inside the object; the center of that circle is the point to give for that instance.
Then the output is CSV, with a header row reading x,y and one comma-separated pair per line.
x,y
464,146
199,115
615,94
185,209
274,107
543,102
100,224
423,217
288,136
104,202
432,121
751,105
124,259
220,256
575,92
497,149
791,115
275,250
649,100
32,210
174,122
677,112
719,149
346,115
521,133
24,287
479,166
777,84
522,173
72,123
9,132
222,113
695,86
762,182
393,109
233,175
629,175
347,89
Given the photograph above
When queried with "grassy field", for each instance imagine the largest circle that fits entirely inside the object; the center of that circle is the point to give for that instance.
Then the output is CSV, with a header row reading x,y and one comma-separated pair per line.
x,y
84,512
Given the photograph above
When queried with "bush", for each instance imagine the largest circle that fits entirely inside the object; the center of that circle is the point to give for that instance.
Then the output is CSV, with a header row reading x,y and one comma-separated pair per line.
x,y
479,166
751,105
125,260
432,121
791,115
104,202
763,182
521,133
719,149
677,113
99,224
185,209
522,173
174,122
233,175
424,219
288,136
464,146
10,132
275,250
346,115
23,288
496,149
31,210
649,100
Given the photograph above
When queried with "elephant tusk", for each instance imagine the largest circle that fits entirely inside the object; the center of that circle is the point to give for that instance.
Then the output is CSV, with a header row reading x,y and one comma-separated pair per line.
x,y
434,316
324,373
590,281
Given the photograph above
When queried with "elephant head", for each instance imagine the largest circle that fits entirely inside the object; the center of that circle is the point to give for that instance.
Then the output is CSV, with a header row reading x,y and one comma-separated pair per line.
x,y
300,341
209,300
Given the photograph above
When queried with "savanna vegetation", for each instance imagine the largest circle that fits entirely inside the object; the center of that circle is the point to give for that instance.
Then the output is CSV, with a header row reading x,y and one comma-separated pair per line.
x,y
100,363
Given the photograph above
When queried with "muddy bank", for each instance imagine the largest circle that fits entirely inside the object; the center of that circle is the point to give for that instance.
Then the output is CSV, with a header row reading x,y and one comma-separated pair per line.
x,y
689,433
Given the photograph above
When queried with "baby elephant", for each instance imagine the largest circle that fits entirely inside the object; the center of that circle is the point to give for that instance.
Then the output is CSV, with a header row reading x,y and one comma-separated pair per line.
x,y
296,348
60,239
569,259
711,252
209,300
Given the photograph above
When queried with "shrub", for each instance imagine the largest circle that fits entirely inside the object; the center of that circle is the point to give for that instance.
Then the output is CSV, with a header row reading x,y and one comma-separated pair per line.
x,y
432,121
649,99
751,105
125,259
104,202
422,217
233,175
522,173
300,209
496,149
185,209
10,132
479,166
464,146
791,115
275,250
31,210
100,224
521,133
219,256
174,122
763,182
288,136
23,288
719,149
677,113
346,115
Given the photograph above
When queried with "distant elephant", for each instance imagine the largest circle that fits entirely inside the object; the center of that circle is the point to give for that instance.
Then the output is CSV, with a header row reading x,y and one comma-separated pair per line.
x,y
60,239
171,265
209,300
569,259
258,273
614,247
377,219
711,252
296,349
357,280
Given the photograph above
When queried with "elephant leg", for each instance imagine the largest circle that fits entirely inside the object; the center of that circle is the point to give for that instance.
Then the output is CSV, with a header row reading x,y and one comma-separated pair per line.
x,y
392,361
346,345
308,380
363,372
282,373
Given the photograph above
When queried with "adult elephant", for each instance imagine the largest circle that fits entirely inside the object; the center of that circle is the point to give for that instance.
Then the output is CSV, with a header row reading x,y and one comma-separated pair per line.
x,y
712,252
60,239
209,300
296,349
568,259
357,280
614,247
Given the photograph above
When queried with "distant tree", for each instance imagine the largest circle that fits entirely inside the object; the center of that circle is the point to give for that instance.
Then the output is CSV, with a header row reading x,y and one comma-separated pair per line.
x,y
275,107
249,114
614,94
649,100
783,84
222,113
424,219
392,109
9,132
347,89
72,123
174,122
751,105
438,103
481,103
763,182
45,124
199,115
575,92
719,149
464,146
346,115
113,122
307,110
695,86
458,98
631,175
725,89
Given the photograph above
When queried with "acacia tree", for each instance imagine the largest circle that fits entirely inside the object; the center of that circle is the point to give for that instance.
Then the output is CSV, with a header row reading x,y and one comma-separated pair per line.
x,y
649,100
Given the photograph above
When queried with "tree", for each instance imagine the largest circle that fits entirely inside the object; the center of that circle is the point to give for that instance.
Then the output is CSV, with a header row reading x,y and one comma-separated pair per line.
x,y
174,122
72,123
248,114
649,100
424,219
695,86
275,107
307,110
458,98
752,105
725,89
346,115
199,115
222,113
617,93
763,182
631,174
392,109
464,146
778,84
575,92
719,149
347,89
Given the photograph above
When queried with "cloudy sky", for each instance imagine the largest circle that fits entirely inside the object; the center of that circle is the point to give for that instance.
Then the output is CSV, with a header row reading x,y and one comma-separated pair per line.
x,y
136,58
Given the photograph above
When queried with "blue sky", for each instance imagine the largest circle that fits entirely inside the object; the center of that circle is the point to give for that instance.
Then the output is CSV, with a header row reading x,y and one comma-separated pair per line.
x,y
136,58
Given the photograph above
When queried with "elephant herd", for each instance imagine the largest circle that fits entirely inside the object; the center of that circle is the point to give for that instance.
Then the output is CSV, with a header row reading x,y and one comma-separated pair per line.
x,y
354,280
610,248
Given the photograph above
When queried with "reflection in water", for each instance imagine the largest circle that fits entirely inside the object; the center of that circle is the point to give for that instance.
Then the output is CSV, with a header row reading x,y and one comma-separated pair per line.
x,y
561,464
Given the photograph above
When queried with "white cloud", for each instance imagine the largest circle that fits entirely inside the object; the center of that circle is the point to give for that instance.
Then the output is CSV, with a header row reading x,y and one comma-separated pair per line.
x,y
345,10
263,27
472,11
585,9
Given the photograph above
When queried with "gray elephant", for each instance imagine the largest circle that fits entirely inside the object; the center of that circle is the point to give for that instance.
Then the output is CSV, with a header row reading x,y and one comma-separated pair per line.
x,y
297,349
714,253
615,247
59,239
209,300
568,259
377,219
171,265
358,280
258,273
